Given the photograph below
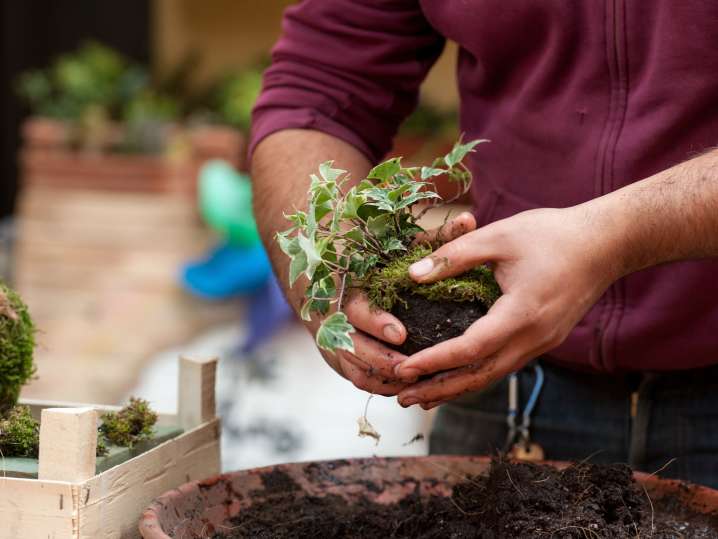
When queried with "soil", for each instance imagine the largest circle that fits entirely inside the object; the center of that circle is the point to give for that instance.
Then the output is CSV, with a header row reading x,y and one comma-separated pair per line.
x,y
429,322
584,501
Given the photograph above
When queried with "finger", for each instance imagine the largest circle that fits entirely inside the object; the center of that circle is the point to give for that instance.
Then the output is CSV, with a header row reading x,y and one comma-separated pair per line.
x,y
452,229
375,322
379,359
369,384
455,257
430,405
451,384
482,339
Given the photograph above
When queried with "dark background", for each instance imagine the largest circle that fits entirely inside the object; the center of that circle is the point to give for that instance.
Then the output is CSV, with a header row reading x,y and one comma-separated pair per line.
x,y
34,32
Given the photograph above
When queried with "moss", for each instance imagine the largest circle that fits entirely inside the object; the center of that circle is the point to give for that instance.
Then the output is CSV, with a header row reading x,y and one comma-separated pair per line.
x,y
130,425
101,450
385,285
17,344
19,434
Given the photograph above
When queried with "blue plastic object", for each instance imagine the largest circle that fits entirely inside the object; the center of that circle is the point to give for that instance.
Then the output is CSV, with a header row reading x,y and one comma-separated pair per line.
x,y
268,312
227,272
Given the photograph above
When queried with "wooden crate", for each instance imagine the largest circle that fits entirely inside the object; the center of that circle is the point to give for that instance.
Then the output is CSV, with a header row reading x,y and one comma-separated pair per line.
x,y
70,501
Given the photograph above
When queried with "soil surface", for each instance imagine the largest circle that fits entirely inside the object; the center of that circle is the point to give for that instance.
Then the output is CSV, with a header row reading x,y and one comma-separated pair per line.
x,y
585,501
429,322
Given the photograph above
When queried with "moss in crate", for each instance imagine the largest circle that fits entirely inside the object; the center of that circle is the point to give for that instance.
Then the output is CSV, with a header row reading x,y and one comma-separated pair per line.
x,y
17,344
131,425
27,467
19,433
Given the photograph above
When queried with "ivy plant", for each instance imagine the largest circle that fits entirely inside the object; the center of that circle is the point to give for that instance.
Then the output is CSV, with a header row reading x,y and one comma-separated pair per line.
x,y
347,234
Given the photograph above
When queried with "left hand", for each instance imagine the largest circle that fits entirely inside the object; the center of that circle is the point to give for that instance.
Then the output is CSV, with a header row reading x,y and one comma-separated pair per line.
x,y
552,266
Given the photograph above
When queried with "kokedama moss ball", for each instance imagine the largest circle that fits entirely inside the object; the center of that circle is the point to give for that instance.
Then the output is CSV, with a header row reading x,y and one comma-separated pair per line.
x,y
130,425
17,344
19,434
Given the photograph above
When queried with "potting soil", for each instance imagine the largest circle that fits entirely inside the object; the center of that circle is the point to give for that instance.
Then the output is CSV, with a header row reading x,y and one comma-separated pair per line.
x,y
429,322
515,500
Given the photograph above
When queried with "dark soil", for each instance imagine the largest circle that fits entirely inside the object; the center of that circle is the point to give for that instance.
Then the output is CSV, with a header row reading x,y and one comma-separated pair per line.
x,y
429,322
585,501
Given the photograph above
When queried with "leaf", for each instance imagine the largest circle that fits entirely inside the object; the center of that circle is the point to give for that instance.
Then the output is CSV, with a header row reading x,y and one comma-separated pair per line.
x,y
352,202
379,198
334,333
311,253
385,170
379,226
307,307
416,197
393,244
355,234
289,246
457,154
430,172
297,266
360,265
328,173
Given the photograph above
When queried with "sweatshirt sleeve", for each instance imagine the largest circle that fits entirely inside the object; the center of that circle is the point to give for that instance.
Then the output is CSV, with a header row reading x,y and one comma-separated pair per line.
x,y
349,68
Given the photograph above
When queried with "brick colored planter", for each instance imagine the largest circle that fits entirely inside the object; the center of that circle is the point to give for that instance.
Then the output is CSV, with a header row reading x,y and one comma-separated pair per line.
x,y
48,159
201,508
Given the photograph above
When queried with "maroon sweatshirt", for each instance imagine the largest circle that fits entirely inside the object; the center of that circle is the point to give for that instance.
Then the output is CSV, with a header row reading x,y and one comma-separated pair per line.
x,y
578,99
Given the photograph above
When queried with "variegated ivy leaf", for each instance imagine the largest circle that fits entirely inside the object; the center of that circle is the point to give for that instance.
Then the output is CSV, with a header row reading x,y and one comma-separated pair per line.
x,y
385,170
352,202
379,226
459,151
298,259
416,197
311,253
393,244
330,174
335,333
430,172
297,266
318,297
355,234
360,265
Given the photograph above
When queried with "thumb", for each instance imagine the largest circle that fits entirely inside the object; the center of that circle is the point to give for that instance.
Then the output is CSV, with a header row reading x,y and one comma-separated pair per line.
x,y
455,257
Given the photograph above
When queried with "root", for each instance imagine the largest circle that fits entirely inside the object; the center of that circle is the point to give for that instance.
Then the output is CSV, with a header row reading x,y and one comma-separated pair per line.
x,y
365,428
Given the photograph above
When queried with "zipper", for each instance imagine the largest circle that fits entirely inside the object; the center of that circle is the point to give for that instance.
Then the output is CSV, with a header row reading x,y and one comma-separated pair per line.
x,y
618,79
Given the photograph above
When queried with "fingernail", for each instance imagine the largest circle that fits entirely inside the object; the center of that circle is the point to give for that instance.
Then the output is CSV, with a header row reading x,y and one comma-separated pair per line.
x,y
407,373
409,401
422,267
392,333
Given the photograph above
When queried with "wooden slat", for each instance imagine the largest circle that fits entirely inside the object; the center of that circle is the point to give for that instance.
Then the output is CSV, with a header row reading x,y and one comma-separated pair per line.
x,y
112,502
32,509
68,444
196,392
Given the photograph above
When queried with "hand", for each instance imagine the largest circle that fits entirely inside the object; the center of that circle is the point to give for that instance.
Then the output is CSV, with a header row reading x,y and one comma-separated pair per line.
x,y
552,266
372,365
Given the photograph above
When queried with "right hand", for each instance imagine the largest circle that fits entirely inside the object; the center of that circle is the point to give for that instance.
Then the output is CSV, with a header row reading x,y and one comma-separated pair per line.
x,y
371,367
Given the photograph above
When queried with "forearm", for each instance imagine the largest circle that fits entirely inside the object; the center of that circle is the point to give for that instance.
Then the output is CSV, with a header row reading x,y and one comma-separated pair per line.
x,y
672,215
281,166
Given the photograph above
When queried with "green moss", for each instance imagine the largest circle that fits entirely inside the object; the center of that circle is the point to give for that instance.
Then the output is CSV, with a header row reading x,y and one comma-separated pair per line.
x,y
19,434
17,344
130,425
385,285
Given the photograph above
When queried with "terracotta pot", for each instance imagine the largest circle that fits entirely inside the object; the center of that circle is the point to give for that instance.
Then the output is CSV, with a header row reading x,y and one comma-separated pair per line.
x,y
218,142
200,509
39,132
